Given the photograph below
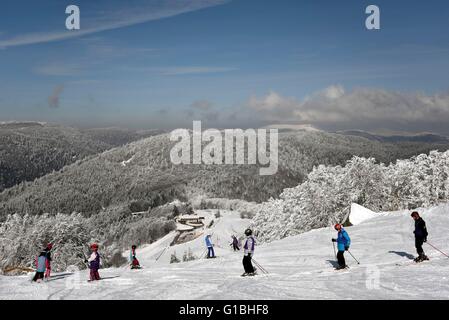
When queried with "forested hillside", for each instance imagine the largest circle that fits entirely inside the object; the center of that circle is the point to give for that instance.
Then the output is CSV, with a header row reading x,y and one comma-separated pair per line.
x,y
29,150
143,171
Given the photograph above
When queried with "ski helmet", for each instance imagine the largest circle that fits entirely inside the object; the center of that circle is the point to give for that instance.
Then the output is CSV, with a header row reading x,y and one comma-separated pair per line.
x,y
94,246
337,226
248,232
133,246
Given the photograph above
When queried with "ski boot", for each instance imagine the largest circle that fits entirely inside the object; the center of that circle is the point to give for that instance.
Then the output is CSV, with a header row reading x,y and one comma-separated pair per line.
x,y
421,258
244,274
341,267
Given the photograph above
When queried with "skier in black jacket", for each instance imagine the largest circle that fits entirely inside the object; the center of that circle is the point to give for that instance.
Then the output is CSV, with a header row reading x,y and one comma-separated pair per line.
x,y
420,236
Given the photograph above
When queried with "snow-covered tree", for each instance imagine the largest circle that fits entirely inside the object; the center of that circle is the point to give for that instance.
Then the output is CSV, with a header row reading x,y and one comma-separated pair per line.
x,y
325,197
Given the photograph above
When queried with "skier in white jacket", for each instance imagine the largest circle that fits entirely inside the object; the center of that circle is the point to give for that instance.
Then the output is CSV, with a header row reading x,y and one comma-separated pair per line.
x,y
248,253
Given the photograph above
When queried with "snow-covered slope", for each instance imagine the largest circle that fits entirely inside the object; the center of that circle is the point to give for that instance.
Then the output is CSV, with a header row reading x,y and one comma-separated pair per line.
x,y
221,231
358,214
300,267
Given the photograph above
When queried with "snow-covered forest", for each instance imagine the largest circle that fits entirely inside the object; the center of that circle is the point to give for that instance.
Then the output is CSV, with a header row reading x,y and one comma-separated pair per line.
x,y
326,196
29,150
96,197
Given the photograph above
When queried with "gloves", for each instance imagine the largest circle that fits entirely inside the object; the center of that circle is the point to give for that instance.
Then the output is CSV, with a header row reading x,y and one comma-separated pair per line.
x,y
334,240
85,260
346,248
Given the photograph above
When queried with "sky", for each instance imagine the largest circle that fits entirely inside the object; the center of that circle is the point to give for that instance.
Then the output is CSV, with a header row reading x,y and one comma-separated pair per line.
x,y
230,63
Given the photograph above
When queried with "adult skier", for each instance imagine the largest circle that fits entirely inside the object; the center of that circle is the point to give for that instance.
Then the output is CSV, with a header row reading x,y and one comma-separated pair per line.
x,y
420,236
210,247
343,242
132,257
94,263
235,243
43,264
248,254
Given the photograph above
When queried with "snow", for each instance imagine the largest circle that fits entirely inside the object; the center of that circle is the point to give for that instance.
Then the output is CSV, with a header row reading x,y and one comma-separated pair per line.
x,y
300,267
359,214
124,163
183,227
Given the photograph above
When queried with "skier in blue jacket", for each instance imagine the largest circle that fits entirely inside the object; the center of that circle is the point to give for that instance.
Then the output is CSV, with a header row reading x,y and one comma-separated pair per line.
x,y
210,247
343,243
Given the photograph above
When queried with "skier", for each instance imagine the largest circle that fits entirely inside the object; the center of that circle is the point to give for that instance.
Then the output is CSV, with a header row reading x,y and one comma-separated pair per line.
x,y
420,236
94,263
248,254
210,247
132,257
235,243
343,243
48,262
43,264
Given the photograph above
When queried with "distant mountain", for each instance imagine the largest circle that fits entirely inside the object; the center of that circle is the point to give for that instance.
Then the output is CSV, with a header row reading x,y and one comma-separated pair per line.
x,y
292,127
395,137
29,150
119,136
142,171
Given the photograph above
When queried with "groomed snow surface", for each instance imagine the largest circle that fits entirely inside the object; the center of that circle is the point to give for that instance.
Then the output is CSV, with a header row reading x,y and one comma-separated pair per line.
x,y
300,267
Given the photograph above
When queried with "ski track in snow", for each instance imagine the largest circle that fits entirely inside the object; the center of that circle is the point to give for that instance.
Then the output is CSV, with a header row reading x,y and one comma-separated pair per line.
x,y
299,267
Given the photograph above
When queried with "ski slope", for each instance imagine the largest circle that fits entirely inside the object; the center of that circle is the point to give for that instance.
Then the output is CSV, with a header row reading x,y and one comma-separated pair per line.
x,y
299,267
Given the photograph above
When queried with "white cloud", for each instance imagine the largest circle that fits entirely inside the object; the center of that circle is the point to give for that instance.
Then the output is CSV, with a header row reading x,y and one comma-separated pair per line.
x,y
104,16
363,105
334,92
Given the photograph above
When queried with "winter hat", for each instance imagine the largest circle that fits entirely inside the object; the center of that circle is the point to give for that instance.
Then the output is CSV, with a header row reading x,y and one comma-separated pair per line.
x,y
415,214
49,246
133,246
248,232
94,246
337,226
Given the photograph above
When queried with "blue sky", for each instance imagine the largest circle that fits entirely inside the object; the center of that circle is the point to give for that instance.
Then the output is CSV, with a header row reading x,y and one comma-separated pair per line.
x,y
163,63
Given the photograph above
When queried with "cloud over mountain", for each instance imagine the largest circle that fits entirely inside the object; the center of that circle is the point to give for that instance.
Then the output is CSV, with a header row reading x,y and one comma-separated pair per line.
x,y
334,106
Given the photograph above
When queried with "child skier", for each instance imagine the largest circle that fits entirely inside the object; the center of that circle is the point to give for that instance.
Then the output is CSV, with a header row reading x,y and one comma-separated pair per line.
x,y
94,263
235,243
210,247
48,262
420,236
43,264
248,253
132,257
343,243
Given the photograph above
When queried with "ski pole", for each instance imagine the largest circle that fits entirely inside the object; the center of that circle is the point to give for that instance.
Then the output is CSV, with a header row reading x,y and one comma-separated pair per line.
x,y
353,257
260,267
263,269
335,252
437,249
163,251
